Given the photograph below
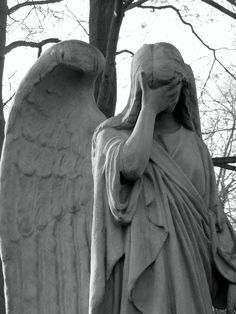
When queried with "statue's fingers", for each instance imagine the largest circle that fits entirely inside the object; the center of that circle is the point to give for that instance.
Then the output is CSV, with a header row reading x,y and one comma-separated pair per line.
x,y
176,81
179,76
174,89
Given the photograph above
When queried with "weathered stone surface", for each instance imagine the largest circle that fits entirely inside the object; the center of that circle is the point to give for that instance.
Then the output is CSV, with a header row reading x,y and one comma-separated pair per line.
x,y
161,242
46,183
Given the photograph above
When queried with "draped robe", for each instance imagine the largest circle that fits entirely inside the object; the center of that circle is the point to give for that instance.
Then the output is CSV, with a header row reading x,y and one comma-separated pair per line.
x,y
160,244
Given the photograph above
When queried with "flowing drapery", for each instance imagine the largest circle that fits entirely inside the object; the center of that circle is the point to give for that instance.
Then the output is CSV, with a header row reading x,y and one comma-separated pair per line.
x,y
158,245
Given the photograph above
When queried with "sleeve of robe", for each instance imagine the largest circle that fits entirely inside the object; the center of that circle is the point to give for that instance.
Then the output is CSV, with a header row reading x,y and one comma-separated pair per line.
x,y
223,240
119,214
114,207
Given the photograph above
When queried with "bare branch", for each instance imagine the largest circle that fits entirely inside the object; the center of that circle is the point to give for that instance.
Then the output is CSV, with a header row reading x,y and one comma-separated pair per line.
x,y
22,20
127,3
152,7
216,131
74,17
233,2
8,100
224,160
221,8
228,167
30,3
208,78
23,43
124,51
231,74
131,5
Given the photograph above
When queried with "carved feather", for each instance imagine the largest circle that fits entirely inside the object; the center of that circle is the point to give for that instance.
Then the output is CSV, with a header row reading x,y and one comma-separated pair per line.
x,y
46,183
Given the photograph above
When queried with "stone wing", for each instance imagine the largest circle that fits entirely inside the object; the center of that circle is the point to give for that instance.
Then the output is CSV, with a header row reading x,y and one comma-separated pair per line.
x,y
46,183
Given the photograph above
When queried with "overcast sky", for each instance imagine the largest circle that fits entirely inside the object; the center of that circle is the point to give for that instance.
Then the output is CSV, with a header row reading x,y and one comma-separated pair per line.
x,y
139,27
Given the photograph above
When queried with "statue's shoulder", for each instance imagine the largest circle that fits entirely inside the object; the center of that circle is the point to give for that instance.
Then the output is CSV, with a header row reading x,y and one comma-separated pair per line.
x,y
106,134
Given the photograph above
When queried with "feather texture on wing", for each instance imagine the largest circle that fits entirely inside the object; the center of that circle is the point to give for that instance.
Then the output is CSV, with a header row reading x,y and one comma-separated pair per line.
x,y
46,183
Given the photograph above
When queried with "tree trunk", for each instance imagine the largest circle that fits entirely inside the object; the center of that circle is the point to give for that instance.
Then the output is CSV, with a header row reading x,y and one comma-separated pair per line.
x,y
3,25
100,18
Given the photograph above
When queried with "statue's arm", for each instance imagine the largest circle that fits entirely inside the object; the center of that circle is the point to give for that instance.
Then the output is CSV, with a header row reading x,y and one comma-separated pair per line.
x,y
137,148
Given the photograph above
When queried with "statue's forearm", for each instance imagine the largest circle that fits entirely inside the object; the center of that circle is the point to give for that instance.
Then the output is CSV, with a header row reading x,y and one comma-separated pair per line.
x,y
137,148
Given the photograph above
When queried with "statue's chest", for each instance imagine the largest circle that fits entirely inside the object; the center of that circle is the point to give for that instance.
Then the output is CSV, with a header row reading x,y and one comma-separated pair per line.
x,y
182,147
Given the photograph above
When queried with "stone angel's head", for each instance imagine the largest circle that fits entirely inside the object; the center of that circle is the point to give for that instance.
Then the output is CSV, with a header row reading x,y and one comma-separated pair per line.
x,y
161,63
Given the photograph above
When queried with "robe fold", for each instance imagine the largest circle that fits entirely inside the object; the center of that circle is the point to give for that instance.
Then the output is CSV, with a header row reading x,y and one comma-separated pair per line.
x,y
160,244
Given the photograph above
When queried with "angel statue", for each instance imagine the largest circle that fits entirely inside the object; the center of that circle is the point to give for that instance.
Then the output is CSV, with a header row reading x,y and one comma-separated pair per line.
x,y
161,243
46,183
137,230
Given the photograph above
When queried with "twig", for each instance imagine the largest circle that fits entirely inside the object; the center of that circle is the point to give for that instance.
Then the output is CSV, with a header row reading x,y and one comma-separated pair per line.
x,y
8,100
220,63
23,43
134,5
233,2
224,160
221,8
127,3
152,7
227,167
208,77
22,20
30,3
74,17
124,51
216,131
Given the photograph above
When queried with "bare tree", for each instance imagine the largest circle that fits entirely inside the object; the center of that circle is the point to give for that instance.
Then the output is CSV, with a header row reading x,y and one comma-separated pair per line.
x,y
105,20
219,132
3,24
